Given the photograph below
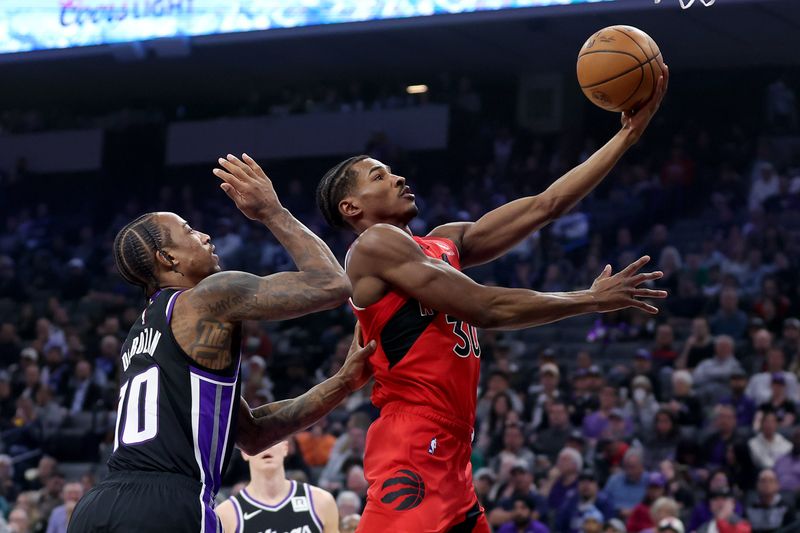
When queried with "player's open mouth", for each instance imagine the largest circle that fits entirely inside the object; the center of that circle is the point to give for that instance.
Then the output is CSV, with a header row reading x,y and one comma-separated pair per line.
x,y
406,192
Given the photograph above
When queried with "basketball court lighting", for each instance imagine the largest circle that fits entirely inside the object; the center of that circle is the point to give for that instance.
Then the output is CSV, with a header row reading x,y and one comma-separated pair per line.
x,y
417,89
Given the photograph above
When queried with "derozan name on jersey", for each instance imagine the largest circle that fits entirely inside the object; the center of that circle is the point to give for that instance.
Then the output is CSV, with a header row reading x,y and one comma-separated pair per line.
x,y
146,342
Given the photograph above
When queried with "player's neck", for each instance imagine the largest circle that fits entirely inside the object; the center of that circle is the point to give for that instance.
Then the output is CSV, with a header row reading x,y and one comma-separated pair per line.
x,y
270,489
364,225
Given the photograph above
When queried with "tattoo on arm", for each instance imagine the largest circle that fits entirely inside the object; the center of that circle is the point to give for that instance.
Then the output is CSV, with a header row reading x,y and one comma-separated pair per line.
x,y
273,422
212,338
236,296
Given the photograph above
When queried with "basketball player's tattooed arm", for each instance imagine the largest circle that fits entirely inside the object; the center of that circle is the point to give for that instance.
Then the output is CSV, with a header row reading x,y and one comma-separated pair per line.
x,y
321,283
261,427
499,230
385,254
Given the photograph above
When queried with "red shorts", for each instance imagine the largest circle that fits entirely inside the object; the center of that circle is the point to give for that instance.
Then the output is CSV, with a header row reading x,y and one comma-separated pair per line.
x,y
417,463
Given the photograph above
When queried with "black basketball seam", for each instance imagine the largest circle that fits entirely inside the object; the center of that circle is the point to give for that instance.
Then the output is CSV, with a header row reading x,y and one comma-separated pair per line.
x,y
639,65
649,63
641,81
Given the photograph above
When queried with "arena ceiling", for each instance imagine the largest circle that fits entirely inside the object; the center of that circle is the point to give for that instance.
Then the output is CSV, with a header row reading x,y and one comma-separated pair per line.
x,y
731,33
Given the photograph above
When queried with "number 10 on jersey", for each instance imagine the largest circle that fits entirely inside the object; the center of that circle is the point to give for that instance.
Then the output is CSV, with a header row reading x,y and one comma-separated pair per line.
x,y
139,398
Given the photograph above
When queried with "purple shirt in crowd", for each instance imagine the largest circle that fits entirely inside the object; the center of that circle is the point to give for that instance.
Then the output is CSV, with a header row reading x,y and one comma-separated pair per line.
x,y
533,527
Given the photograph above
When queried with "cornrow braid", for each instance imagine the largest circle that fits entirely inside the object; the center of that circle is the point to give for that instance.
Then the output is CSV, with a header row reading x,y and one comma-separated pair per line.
x,y
133,251
334,186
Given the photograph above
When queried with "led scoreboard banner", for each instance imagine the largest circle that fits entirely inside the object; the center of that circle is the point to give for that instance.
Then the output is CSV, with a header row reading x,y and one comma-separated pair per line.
x,y
27,25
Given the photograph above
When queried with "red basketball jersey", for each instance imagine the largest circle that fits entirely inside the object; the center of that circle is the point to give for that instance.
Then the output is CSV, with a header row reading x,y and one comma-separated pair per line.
x,y
423,357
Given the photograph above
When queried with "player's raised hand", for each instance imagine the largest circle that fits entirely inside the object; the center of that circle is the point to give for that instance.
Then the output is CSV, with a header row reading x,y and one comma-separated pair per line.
x,y
356,369
622,290
636,122
248,186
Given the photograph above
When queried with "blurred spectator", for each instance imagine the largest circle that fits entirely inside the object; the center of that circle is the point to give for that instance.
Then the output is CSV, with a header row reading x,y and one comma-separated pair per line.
x,y
520,484
586,497
643,406
513,447
523,520
483,480
684,404
724,519
729,319
712,376
760,386
627,488
781,107
788,466
490,437
544,394
350,445
661,439
669,525
724,433
71,493
562,478
349,523
640,517
767,509
698,347
83,395
592,521
744,405
551,440
764,187
784,408
664,514
595,424
19,521
348,503
643,366
768,445
755,357
316,444
663,350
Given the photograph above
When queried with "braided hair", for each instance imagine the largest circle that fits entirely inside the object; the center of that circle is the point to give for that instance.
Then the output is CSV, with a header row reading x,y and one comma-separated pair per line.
x,y
335,185
133,251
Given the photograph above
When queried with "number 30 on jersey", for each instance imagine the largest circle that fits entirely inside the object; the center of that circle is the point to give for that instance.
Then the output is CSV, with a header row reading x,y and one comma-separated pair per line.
x,y
467,338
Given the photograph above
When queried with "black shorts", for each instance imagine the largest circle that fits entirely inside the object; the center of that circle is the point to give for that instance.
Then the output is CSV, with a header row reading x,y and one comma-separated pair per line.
x,y
144,502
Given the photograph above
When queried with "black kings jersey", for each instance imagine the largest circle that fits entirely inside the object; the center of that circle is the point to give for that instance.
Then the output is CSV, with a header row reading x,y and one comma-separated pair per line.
x,y
172,415
294,514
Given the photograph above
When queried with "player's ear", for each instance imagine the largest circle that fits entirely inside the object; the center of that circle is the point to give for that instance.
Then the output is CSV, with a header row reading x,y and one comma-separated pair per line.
x,y
166,259
245,456
349,207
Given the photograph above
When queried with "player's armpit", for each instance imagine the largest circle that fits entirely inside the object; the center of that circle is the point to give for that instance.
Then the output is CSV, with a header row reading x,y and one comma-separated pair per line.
x,y
391,255
235,296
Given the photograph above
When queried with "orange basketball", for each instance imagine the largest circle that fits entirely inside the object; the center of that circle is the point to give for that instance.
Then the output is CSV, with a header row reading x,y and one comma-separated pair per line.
x,y
619,67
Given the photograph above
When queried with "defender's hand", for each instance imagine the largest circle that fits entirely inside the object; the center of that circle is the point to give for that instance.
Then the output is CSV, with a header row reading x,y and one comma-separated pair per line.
x,y
635,123
248,186
622,290
356,370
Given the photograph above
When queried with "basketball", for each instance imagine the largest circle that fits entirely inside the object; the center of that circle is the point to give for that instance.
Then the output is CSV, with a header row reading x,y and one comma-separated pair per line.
x,y
618,68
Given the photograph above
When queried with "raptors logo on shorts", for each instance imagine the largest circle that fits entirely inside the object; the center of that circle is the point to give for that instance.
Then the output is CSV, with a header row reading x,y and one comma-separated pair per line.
x,y
407,488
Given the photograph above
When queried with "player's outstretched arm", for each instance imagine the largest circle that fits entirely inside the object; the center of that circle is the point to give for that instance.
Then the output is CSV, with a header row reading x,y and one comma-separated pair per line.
x,y
261,427
503,228
389,256
246,183
232,296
